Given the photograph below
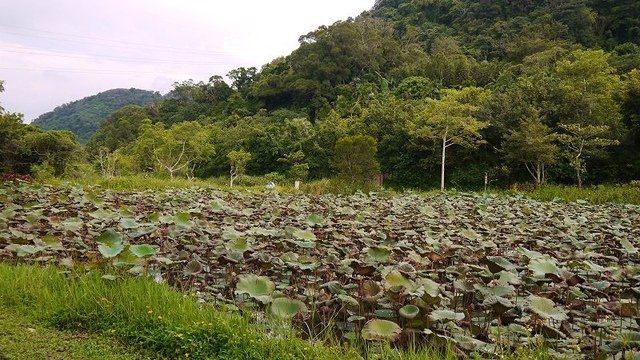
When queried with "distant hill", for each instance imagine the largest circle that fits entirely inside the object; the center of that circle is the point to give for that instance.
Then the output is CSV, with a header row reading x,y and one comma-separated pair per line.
x,y
83,117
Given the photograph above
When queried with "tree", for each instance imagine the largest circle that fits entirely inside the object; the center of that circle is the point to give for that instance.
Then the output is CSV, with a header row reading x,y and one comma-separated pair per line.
x,y
238,160
56,148
533,144
179,149
589,88
355,158
580,140
1,90
451,120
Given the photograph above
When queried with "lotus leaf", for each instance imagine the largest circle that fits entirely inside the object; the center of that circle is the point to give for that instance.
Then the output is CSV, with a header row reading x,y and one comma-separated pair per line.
x,y
257,287
348,300
497,264
409,311
304,235
378,254
143,250
383,330
110,243
314,220
238,244
286,308
546,308
444,315
194,267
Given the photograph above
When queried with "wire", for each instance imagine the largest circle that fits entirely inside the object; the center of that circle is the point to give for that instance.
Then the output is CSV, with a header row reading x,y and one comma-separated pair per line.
x,y
124,44
94,71
108,57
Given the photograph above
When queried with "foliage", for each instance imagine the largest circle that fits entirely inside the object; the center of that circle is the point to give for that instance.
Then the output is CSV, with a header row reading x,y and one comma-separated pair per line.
x,y
452,121
534,145
83,117
355,159
238,160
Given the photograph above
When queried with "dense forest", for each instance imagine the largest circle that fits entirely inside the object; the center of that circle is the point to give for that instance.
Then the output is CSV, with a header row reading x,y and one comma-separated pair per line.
x,y
83,117
510,91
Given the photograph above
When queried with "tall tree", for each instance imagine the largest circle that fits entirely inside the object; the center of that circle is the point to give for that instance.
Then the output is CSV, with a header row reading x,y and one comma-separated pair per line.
x,y
532,144
238,160
580,141
355,159
452,120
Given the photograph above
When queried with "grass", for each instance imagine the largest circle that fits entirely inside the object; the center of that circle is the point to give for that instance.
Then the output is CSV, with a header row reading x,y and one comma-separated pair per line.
x,y
24,338
153,319
622,194
600,194
149,316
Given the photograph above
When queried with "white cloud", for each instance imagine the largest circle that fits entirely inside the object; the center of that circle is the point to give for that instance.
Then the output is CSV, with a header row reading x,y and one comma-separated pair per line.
x,y
84,47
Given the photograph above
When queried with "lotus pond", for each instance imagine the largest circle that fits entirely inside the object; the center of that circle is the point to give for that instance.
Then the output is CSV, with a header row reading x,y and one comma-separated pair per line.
x,y
482,273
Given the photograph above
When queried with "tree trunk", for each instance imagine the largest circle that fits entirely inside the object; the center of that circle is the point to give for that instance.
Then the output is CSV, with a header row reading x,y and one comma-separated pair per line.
x,y
579,176
444,156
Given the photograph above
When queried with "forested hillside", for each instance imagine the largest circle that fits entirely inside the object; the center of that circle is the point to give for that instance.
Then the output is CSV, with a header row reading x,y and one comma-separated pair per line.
x,y
83,117
511,91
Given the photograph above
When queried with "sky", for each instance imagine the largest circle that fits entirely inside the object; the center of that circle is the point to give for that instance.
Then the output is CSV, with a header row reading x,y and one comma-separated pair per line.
x,y
56,51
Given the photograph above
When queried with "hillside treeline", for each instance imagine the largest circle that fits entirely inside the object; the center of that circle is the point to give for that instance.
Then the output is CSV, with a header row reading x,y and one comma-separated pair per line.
x,y
511,91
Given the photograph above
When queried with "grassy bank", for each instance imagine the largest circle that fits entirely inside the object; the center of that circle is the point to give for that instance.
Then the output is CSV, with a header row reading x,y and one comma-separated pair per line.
x,y
24,338
148,316
622,194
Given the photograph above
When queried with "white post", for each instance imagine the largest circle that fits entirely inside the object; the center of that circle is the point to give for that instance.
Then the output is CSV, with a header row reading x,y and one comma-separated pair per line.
x,y
297,185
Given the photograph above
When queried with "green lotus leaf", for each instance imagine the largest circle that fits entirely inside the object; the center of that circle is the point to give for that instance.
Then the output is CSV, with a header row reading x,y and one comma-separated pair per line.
x,y
102,214
383,330
546,308
182,219
508,277
143,250
333,286
470,234
194,267
238,244
499,290
385,313
540,267
444,315
52,242
128,223
378,254
258,287
127,258
26,250
497,264
409,311
110,243
348,300
395,278
72,224
231,234
285,308
372,291
431,288
314,220
305,235
628,247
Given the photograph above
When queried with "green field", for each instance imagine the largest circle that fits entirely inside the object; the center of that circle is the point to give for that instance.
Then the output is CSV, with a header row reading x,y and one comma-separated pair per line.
x,y
441,273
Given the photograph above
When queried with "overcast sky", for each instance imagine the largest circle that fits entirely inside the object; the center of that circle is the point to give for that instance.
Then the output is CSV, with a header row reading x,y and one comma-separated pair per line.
x,y
56,51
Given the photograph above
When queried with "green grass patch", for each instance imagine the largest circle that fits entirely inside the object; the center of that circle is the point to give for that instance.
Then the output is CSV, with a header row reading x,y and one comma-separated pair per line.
x,y
622,194
147,315
24,338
